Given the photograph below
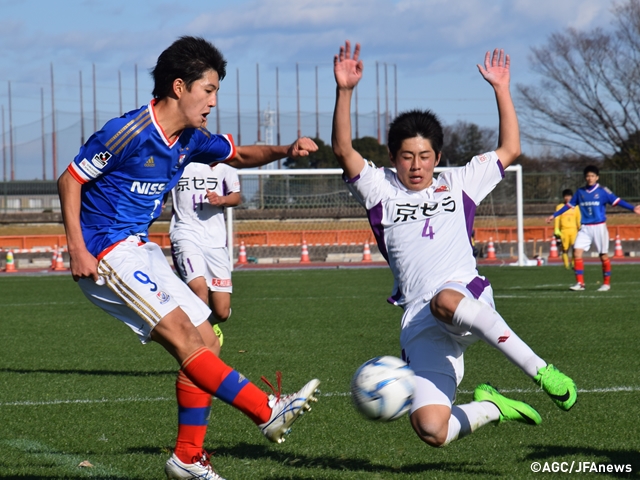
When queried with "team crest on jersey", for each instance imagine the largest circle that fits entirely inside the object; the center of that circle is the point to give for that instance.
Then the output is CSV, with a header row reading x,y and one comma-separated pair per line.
x,y
100,159
163,297
442,188
181,159
483,158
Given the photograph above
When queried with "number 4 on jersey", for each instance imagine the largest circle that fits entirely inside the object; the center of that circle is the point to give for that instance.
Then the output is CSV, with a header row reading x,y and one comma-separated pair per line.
x,y
427,231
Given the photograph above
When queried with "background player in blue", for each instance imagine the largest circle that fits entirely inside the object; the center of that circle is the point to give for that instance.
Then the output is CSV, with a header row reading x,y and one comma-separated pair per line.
x,y
592,200
110,194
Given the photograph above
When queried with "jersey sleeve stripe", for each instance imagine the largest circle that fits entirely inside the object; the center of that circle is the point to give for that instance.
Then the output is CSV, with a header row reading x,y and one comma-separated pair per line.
x,y
78,174
616,201
113,139
229,138
129,131
141,127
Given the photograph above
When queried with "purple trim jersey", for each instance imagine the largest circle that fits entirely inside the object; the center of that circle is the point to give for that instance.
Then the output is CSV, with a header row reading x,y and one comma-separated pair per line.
x,y
125,169
426,235
194,218
593,202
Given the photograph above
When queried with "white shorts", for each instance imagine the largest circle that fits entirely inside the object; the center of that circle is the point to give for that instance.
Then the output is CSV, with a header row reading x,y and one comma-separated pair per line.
x,y
436,352
138,287
192,261
597,234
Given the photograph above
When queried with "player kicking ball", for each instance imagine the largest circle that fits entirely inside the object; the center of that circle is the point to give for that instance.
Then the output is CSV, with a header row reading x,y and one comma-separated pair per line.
x,y
199,236
423,228
110,194
592,199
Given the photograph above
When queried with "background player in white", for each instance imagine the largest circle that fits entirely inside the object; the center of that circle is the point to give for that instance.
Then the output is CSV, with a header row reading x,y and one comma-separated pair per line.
x,y
423,227
110,194
199,235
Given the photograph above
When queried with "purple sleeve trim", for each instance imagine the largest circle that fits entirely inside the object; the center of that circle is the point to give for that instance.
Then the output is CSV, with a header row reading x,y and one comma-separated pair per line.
x,y
351,180
501,168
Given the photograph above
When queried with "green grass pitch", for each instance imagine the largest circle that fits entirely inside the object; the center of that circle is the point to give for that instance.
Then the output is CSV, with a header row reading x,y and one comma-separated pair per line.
x,y
76,384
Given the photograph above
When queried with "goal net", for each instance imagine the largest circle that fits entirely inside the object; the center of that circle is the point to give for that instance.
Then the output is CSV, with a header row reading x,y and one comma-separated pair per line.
x,y
285,210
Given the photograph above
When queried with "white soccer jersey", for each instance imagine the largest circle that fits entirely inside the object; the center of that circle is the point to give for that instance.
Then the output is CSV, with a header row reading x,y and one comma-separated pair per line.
x,y
426,236
194,218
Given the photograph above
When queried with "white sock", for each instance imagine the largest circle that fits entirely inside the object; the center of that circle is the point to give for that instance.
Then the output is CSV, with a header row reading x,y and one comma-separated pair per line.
x,y
466,419
483,321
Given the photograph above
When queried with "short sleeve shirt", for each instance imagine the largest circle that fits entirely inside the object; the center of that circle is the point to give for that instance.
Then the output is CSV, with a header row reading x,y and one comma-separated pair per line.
x,y
126,168
426,235
194,218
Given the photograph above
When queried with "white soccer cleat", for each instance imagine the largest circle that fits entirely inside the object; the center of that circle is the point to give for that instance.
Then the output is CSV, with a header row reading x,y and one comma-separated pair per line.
x,y
286,409
604,288
177,470
577,287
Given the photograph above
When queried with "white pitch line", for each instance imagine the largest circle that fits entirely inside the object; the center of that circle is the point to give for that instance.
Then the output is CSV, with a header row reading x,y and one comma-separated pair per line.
x,y
28,403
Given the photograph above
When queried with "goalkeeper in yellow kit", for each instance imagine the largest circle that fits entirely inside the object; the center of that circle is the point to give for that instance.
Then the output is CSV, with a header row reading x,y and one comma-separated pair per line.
x,y
566,227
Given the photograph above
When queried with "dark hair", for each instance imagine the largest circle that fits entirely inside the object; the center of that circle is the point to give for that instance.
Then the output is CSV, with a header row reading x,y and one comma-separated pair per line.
x,y
591,169
567,191
187,58
415,123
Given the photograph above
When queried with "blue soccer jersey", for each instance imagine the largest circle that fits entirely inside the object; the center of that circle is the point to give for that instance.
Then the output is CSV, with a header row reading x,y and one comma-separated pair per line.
x,y
126,168
592,202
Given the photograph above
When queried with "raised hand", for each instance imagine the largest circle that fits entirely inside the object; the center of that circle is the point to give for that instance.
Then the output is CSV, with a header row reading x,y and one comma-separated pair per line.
x,y
347,69
496,68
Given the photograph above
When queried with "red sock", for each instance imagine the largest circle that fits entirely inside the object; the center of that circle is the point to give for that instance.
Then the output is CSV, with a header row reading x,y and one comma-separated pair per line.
x,y
579,270
212,375
606,271
194,406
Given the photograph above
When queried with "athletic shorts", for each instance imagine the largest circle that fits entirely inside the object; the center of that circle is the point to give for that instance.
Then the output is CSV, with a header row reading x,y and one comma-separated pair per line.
x,y
568,240
192,261
436,352
598,235
139,288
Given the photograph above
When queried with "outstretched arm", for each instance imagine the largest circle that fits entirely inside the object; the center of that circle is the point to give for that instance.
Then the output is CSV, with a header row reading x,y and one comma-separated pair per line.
x,y
250,156
348,72
496,71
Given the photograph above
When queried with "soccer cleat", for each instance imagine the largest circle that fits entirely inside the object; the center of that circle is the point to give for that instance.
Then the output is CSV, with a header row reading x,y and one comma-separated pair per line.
x,y
577,287
510,410
604,288
219,334
558,386
286,409
200,469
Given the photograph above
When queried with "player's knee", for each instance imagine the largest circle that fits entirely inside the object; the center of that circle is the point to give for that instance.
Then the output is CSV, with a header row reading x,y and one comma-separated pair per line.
x,y
221,314
431,430
444,304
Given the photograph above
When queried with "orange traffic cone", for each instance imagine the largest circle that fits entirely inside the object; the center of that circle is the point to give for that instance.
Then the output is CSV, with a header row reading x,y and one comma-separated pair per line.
x,y
304,257
54,257
553,251
618,251
10,267
491,251
242,255
59,262
366,253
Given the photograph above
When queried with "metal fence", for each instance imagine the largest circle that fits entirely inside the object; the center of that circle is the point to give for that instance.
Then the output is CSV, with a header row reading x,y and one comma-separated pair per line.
x,y
293,194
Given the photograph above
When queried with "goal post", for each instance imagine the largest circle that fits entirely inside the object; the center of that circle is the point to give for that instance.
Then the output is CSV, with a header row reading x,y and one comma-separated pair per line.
x,y
284,208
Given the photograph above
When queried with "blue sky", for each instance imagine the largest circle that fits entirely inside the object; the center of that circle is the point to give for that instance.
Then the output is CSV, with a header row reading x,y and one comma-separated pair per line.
x,y
434,45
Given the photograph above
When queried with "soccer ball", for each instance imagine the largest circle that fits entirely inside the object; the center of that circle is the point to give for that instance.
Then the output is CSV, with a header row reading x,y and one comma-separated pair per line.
x,y
382,388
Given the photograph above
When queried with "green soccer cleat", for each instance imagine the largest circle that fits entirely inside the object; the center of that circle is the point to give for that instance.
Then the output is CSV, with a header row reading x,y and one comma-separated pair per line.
x,y
558,386
510,410
219,334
